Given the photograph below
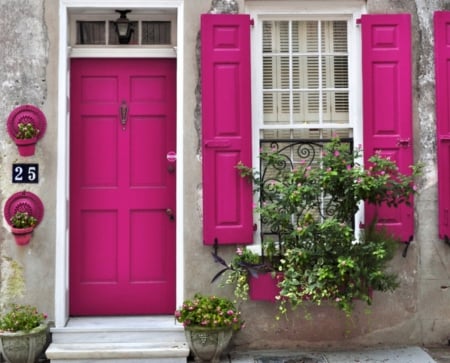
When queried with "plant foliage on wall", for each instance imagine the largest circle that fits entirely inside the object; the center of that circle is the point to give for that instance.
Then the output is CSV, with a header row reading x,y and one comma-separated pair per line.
x,y
307,210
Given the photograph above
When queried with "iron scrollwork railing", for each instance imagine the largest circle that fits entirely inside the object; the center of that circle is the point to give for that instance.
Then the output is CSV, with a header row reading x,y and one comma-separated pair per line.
x,y
305,152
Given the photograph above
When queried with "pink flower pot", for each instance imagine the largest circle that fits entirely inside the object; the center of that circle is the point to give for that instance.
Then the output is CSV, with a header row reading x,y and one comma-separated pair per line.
x,y
22,235
265,287
26,146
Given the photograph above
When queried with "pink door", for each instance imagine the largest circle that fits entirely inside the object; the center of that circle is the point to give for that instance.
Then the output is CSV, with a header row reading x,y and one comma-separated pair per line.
x,y
122,186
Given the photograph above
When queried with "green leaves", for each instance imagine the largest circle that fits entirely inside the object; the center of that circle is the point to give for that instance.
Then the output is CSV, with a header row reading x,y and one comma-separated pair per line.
x,y
26,131
21,318
23,220
209,312
310,205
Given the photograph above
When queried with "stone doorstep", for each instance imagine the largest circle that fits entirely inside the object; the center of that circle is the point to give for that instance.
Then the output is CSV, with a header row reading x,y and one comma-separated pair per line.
x,y
116,351
119,339
119,330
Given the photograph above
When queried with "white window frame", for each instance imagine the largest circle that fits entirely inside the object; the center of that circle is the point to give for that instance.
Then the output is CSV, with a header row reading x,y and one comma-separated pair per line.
x,y
349,10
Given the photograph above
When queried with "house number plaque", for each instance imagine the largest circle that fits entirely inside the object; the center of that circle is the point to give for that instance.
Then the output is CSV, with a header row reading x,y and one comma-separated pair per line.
x,y
25,173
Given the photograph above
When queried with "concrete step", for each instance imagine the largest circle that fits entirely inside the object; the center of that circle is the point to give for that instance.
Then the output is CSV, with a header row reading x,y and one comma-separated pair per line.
x,y
119,339
133,329
118,352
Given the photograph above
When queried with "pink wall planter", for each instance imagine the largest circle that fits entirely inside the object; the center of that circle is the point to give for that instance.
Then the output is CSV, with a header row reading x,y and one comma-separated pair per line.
x,y
264,287
22,235
26,147
23,202
26,114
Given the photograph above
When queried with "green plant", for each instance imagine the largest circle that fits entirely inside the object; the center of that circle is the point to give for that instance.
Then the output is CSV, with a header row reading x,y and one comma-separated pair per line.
x,y
21,318
26,131
243,264
23,220
310,207
209,312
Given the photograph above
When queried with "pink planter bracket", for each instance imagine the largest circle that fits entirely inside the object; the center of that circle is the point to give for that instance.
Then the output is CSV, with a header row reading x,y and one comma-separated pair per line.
x,y
24,202
26,114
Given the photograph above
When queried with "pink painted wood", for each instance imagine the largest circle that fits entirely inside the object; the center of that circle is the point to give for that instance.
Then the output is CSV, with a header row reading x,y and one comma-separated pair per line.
x,y
122,242
442,61
387,87
226,116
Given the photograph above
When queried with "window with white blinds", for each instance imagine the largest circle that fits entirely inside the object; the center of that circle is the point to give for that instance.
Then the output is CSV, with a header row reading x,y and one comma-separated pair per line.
x,y
305,77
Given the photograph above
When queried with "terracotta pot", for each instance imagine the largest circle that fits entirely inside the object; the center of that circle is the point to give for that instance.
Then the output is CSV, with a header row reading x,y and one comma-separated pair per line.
x,y
23,347
208,344
26,146
22,235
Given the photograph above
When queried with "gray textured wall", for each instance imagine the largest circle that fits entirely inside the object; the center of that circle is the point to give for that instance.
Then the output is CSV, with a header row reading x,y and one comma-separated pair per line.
x,y
25,78
418,312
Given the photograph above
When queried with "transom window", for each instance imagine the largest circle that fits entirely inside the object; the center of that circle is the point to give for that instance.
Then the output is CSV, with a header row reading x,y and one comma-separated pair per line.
x,y
97,30
103,33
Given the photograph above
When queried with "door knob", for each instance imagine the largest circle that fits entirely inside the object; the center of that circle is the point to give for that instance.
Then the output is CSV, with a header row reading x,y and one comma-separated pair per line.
x,y
169,213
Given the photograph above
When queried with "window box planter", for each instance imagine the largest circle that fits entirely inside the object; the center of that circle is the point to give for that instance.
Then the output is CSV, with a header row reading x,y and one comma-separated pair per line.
x,y
264,287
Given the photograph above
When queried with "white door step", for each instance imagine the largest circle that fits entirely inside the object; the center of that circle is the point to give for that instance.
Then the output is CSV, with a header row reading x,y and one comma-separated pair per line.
x,y
119,330
118,352
134,339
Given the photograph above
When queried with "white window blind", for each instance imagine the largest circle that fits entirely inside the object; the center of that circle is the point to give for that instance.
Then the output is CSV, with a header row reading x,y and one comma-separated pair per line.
x,y
305,74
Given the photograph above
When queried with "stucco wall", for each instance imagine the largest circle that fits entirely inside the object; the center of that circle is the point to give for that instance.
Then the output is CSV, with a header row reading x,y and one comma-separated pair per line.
x,y
418,312
28,76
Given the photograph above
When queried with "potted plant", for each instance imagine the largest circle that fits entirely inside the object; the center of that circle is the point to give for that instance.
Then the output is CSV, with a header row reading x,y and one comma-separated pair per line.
x,y
209,323
26,138
250,274
23,334
308,208
22,225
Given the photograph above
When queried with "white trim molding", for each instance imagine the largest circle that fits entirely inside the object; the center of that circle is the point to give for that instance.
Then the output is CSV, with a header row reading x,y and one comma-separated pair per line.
x,y
62,186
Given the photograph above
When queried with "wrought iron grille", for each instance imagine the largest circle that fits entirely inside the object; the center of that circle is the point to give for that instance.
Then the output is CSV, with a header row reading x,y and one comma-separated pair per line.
x,y
300,152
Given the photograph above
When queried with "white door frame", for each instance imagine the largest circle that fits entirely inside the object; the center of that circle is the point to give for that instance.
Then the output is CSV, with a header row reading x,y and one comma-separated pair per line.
x,y
63,165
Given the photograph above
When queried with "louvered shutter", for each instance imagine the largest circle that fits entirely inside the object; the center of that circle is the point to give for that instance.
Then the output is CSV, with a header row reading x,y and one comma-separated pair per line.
x,y
387,102
442,60
226,128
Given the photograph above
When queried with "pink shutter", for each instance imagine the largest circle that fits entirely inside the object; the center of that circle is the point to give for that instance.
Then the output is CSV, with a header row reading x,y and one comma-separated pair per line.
x,y
442,60
387,102
226,128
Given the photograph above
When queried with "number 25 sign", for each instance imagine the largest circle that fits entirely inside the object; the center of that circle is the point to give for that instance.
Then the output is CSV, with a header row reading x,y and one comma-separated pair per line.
x,y
25,173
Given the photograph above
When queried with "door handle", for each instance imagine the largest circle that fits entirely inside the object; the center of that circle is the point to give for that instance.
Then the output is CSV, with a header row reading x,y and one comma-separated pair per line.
x,y
123,114
403,142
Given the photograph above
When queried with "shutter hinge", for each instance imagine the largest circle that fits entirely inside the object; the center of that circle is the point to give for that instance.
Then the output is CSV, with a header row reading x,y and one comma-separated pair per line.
x,y
358,21
446,240
252,21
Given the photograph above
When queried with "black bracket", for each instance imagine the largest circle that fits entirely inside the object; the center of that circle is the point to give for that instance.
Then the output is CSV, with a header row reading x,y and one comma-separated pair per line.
x,y
405,250
216,246
446,240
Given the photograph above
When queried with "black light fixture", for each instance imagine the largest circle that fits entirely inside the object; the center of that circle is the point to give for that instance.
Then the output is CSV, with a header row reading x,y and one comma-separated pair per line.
x,y
124,29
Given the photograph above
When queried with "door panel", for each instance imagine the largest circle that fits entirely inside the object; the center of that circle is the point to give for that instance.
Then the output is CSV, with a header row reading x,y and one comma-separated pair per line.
x,y
122,242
